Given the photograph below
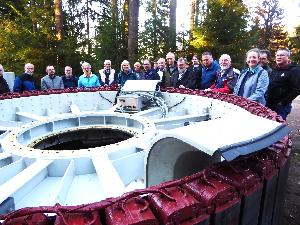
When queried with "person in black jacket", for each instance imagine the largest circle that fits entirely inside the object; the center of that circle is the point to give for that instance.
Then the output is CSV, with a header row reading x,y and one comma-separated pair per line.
x,y
186,78
284,84
195,71
3,84
69,80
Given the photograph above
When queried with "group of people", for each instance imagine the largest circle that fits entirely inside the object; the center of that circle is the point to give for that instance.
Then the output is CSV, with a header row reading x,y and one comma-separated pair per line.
x,y
276,88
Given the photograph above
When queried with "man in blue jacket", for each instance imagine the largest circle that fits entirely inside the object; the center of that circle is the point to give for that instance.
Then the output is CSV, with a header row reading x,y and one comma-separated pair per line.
x,y
25,81
209,70
149,73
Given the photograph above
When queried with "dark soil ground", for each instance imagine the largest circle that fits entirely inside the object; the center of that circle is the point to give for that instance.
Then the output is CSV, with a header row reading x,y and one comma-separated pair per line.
x,y
291,214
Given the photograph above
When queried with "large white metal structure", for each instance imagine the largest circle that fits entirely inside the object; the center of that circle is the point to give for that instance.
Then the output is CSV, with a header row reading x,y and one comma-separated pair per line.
x,y
118,151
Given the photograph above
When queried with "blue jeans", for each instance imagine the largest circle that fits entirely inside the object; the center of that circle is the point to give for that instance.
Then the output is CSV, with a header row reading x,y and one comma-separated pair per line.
x,y
283,110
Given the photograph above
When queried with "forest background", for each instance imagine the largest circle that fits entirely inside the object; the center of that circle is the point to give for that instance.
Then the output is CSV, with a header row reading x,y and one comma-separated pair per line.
x,y
67,32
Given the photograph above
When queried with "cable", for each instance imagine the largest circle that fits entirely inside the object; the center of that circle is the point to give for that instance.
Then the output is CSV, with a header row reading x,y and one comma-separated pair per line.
x,y
105,98
177,103
159,101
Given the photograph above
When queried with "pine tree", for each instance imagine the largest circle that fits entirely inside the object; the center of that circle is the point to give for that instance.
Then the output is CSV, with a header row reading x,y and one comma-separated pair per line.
x,y
154,38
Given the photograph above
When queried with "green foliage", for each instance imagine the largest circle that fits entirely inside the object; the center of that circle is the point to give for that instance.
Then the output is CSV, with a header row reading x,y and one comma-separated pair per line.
x,y
223,30
154,38
27,36
110,41
271,34
220,26
295,46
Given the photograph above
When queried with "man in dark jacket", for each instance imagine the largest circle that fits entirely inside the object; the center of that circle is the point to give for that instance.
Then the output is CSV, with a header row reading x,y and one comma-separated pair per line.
x,y
170,77
69,80
149,73
186,79
3,84
284,84
25,81
264,60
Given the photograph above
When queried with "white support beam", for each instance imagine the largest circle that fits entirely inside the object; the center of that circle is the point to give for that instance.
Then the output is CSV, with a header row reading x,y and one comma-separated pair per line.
x,y
27,117
110,179
65,184
22,183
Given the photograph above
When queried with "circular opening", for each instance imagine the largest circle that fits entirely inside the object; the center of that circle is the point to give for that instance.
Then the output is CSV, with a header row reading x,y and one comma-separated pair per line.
x,y
82,139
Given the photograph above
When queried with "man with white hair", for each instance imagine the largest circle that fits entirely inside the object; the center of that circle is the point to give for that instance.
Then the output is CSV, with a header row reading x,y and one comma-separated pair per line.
x,y
88,79
3,84
107,74
171,71
25,81
226,76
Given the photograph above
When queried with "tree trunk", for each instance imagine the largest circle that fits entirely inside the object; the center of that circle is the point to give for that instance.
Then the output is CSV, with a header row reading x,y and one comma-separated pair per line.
x,y
154,33
173,6
192,18
197,5
58,19
115,31
89,47
193,13
125,25
133,27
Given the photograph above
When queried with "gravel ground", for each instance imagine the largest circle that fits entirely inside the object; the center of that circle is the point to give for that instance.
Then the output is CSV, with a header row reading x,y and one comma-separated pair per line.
x,y
291,214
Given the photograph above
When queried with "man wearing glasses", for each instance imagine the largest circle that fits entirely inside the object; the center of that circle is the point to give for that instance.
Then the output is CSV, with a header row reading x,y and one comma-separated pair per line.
x,y
284,84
